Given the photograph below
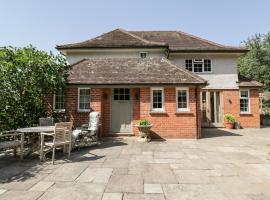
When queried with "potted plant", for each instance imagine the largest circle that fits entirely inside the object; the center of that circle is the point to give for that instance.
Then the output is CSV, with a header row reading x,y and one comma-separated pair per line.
x,y
144,127
229,121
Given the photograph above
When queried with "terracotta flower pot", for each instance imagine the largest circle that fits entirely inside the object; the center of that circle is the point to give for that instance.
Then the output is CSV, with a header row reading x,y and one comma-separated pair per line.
x,y
229,125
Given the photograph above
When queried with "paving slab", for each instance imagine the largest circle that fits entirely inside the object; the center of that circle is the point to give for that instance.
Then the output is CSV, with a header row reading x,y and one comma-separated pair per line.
x,y
2,191
125,183
112,196
42,186
143,197
158,173
20,195
153,189
67,172
193,191
95,175
74,191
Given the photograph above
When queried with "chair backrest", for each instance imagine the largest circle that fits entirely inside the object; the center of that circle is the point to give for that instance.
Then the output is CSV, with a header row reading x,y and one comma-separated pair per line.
x,y
48,121
62,131
93,121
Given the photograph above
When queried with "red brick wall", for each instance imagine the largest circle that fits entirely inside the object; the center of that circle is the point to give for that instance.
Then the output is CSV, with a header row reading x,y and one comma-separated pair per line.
x,y
231,104
169,124
106,108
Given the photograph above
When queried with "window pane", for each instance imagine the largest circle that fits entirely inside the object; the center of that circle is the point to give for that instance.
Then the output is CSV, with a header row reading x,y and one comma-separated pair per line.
x,y
59,100
244,93
198,67
244,105
207,65
182,98
157,99
84,99
121,97
188,65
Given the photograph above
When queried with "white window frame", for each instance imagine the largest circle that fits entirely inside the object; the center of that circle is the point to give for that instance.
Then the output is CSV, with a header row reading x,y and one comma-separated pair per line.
x,y
197,60
247,90
54,102
162,93
176,95
146,54
83,110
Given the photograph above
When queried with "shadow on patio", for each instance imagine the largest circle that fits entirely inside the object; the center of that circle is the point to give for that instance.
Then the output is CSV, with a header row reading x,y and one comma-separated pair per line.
x,y
217,132
12,169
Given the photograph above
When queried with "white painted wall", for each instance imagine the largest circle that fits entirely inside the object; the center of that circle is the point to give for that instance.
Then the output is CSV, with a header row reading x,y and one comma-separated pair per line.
x,y
224,69
224,66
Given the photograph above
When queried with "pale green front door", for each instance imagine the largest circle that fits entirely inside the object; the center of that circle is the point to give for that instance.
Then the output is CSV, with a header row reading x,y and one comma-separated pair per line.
x,y
121,111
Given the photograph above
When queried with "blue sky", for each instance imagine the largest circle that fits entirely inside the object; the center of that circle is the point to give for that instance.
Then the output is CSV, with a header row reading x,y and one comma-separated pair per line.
x,y
47,23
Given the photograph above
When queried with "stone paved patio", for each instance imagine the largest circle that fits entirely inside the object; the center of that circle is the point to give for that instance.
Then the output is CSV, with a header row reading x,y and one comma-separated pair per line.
x,y
222,166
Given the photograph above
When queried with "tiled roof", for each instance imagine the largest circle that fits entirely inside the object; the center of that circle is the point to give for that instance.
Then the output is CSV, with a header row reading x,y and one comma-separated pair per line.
x,y
173,40
247,82
112,39
130,71
181,41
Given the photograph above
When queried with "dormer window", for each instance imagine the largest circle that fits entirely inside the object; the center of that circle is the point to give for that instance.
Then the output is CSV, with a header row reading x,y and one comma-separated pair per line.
x,y
143,54
198,65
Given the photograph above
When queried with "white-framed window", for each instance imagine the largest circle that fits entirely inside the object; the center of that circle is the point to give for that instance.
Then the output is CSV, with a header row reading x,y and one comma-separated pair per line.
x,y
244,101
143,54
198,65
157,99
182,99
59,101
84,99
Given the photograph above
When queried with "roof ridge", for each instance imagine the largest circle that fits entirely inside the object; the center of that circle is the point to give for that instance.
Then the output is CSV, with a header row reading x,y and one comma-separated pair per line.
x,y
184,70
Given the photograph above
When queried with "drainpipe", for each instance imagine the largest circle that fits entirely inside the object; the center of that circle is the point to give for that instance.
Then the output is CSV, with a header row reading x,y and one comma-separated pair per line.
x,y
197,120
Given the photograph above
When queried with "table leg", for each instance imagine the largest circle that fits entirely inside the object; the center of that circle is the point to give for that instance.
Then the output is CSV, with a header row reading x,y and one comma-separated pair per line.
x,y
41,147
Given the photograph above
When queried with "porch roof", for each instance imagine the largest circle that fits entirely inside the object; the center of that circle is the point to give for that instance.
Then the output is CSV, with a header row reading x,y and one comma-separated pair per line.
x,y
125,71
247,82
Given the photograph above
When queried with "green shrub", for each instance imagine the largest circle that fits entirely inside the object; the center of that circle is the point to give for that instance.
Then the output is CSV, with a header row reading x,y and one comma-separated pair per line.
x,y
144,122
229,118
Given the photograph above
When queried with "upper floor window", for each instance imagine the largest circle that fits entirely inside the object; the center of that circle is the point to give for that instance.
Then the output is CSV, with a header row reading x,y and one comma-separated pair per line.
x,y
182,99
244,101
143,54
198,65
84,99
157,95
58,101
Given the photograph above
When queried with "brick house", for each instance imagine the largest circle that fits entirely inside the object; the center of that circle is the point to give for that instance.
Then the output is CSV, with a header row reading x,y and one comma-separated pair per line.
x,y
176,80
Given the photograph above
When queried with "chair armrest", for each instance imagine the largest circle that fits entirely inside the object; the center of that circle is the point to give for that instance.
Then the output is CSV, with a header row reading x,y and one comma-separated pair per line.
x,y
48,133
84,125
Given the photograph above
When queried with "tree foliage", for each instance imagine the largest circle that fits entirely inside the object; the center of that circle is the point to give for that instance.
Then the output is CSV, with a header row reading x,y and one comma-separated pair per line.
x,y
256,63
26,75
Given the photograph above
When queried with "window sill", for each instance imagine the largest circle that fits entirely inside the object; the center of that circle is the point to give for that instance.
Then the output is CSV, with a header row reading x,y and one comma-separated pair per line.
x,y
158,112
183,112
59,111
83,111
245,113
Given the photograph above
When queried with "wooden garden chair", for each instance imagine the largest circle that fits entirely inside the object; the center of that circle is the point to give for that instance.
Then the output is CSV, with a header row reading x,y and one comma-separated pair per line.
x,y
61,137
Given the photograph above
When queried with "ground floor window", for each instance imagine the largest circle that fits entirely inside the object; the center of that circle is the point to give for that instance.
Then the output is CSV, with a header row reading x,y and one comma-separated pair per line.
x,y
58,101
157,95
84,99
244,101
182,99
